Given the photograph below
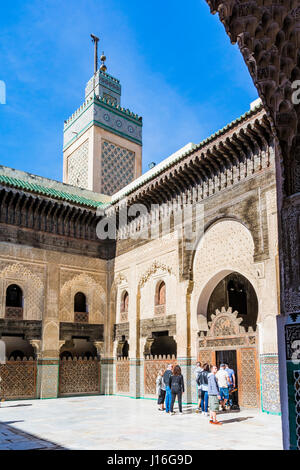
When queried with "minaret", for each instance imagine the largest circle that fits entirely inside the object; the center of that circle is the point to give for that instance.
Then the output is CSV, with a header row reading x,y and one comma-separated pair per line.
x,y
102,141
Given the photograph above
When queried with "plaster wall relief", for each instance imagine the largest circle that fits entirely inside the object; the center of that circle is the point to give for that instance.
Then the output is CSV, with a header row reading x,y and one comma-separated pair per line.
x,y
91,286
228,247
51,343
31,279
122,287
148,278
149,292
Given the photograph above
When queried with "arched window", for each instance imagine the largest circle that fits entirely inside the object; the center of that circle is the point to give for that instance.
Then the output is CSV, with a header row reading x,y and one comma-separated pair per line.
x,y
14,302
14,296
124,302
80,302
124,306
160,298
80,308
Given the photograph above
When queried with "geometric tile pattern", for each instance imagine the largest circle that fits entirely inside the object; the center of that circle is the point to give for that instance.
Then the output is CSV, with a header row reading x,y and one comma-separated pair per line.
x,y
270,387
117,168
297,399
48,379
78,166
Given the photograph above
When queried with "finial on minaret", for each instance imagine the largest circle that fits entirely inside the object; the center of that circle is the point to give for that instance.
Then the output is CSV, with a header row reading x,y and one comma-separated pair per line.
x,y
95,41
103,67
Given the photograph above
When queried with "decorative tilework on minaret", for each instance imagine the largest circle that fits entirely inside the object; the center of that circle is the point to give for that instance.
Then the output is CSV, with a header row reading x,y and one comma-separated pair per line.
x,y
102,140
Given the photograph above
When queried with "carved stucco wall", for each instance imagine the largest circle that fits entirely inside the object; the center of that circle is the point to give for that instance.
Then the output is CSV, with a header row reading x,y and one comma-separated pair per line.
x,y
31,280
153,275
120,286
88,284
228,246
143,267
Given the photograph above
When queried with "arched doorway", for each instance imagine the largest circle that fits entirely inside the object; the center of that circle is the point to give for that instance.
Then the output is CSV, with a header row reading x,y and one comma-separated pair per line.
x,y
159,351
229,335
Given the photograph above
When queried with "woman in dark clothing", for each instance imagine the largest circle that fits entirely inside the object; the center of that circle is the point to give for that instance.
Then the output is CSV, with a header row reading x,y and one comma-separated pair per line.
x,y
176,384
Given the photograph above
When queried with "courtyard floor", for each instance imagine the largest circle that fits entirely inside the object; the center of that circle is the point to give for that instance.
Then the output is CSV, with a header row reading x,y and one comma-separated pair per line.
x,y
122,423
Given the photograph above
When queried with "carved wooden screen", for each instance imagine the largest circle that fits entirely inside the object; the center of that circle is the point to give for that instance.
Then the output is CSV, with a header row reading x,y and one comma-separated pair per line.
x,y
207,357
18,379
248,377
123,375
151,368
79,377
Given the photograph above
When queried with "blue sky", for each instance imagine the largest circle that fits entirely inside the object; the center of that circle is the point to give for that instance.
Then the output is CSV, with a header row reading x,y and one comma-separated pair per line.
x,y
176,65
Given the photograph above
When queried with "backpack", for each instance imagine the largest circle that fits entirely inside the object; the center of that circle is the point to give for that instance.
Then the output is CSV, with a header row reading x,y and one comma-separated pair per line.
x,y
166,377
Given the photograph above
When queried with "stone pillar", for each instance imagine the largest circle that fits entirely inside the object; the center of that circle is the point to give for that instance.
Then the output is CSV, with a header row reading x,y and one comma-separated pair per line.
x,y
48,362
106,370
135,357
183,339
268,364
107,376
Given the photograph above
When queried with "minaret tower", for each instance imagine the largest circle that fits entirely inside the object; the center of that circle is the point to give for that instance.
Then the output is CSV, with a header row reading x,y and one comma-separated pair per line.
x,y
102,141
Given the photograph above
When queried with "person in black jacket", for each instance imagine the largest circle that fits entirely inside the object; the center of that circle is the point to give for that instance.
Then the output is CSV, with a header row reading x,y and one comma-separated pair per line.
x,y
176,384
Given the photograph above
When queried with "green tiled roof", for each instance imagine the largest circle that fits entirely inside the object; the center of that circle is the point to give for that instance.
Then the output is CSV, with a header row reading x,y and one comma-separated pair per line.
x,y
51,192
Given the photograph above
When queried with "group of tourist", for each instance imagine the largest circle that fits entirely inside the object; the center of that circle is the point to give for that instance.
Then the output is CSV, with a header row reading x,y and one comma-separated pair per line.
x,y
214,388
169,385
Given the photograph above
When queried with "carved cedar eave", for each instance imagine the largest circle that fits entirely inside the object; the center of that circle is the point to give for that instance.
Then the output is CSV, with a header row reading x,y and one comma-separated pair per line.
x,y
207,163
31,211
48,221
268,35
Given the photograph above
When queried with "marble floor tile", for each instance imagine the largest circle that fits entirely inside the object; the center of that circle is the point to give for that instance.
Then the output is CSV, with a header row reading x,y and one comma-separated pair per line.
x,y
121,423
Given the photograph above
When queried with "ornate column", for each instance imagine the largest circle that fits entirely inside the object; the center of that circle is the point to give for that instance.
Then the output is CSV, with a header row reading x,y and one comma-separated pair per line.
x,y
268,35
48,361
183,339
104,370
135,357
